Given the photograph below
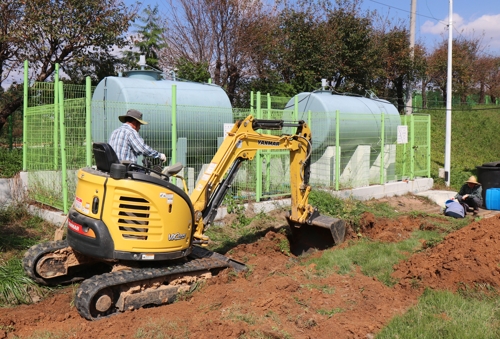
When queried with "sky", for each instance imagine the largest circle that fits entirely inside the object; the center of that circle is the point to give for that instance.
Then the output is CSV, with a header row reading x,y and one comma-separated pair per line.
x,y
471,19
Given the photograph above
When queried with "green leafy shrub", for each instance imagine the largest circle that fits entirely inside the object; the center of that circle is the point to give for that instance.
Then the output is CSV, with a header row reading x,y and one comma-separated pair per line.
x,y
11,162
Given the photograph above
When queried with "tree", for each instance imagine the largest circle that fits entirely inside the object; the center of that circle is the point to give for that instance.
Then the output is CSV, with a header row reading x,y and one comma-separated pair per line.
x,y
97,68
465,53
395,67
298,54
494,81
68,32
193,71
148,39
317,41
350,47
487,75
219,32
9,32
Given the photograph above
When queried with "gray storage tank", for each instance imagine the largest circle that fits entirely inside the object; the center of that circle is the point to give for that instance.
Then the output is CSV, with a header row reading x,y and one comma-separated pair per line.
x,y
360,123
202,110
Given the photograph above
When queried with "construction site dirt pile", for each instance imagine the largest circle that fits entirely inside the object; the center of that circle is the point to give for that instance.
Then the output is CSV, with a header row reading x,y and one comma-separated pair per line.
x,y
280,297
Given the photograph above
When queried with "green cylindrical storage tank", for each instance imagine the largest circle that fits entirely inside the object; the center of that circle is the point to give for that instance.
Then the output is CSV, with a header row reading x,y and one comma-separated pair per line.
x,y
360,122
202,110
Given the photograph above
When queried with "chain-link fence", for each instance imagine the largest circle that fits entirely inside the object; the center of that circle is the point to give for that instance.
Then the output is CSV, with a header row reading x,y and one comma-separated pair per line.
x,y
348,150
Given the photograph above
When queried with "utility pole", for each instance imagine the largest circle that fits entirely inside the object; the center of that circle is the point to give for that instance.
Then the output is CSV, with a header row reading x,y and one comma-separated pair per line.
x,y
447,150
413,14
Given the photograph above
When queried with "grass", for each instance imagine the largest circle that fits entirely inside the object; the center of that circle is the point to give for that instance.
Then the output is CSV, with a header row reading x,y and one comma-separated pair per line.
x,y
330,312
240,227
18,231
474,141
446,315
161,330
11,163
15,287
375,258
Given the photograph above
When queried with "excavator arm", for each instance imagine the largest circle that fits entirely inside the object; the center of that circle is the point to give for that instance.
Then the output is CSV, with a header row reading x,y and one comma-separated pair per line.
x,y
242,143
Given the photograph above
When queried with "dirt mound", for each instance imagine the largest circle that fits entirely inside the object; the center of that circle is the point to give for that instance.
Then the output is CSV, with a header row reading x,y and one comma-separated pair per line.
x,y
392,230
275,300
467,257
281,298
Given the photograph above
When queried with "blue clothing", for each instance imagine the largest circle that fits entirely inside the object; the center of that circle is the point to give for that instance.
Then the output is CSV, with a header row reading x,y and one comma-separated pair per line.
x,y
454,209
128,144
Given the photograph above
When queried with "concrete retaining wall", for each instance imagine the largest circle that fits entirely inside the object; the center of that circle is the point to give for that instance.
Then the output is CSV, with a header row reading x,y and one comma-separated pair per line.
x,y
13,189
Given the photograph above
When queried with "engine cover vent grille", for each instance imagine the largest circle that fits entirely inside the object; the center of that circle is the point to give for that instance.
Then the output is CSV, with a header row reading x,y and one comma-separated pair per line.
x,y
134,217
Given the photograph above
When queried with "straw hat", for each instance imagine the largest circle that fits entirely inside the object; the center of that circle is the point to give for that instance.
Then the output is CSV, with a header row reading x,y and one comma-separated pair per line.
x,y
472,180
133,113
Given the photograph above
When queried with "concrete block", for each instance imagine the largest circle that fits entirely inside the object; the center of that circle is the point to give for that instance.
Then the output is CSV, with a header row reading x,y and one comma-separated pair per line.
x,y
323,170
356,172
389,171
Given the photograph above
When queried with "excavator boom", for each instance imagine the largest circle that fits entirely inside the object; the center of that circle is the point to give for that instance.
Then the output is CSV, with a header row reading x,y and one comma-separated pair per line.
x,y
242,143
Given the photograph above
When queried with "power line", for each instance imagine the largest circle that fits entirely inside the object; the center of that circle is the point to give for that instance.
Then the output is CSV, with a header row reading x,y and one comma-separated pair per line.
x,y
404,10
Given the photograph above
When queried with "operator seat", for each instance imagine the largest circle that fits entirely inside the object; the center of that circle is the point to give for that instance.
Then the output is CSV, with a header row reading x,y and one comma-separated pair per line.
x,y
104,156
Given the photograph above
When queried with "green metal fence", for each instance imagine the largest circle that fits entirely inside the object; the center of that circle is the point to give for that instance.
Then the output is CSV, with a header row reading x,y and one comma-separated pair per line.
x,y
435,100
58,136
12,131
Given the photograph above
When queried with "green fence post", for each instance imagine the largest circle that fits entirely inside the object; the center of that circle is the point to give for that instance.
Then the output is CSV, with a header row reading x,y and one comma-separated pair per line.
x,y
25,112
63,149
251,103
258,165
337,150
428,146
174,128
296,108
9,131
268,115
382,148
268,153
405,155
56,118
412,148
88,121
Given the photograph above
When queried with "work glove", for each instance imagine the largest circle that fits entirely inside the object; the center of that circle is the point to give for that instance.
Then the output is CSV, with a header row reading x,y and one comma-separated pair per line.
x,y
163,158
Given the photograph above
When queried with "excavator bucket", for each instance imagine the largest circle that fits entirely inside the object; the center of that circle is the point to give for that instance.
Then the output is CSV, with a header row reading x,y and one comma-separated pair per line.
x,y
320,232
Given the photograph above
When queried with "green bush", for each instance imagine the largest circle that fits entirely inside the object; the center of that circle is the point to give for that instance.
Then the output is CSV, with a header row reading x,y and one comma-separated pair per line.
x,y
11,162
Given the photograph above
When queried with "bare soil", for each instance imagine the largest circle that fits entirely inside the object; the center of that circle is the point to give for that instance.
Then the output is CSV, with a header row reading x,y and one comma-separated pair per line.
x,y
280,298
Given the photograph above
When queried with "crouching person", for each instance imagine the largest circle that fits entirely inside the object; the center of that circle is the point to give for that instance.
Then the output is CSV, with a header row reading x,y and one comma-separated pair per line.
x,y
471,194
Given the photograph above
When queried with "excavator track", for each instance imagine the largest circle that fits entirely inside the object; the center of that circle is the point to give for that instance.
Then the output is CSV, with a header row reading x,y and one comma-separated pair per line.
x,y
104,295
108,289
47,264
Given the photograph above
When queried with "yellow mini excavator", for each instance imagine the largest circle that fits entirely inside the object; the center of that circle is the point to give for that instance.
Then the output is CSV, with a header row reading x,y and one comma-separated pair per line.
x,y
135,239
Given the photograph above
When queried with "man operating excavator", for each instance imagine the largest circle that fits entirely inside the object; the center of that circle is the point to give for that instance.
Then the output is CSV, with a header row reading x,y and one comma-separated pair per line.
x,y
126,141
